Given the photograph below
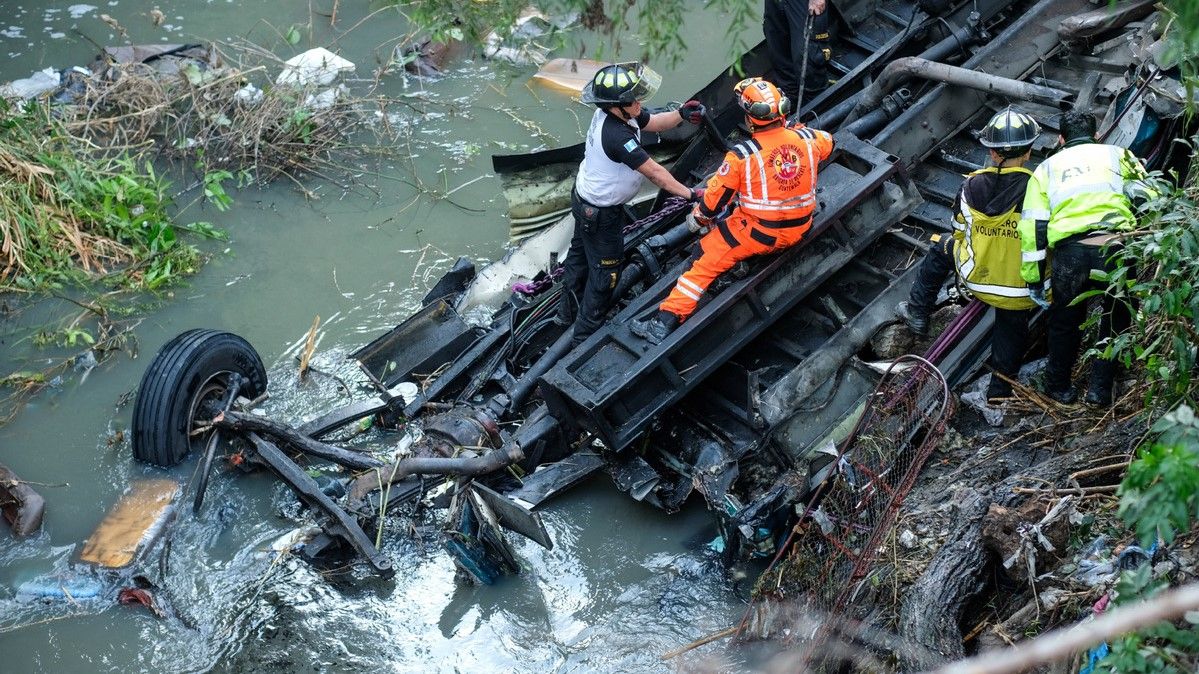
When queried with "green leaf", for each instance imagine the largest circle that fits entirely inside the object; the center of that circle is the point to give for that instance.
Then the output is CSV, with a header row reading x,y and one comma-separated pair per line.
x,y
292,37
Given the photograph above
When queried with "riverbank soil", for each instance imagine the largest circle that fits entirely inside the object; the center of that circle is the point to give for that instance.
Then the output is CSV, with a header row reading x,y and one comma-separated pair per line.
x,y
1010,531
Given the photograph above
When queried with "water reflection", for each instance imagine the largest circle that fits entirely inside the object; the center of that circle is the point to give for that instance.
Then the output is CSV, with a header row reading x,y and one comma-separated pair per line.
x,y
621,585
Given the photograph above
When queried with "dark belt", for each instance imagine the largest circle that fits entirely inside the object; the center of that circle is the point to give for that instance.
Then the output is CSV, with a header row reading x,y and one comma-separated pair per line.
x,y
1094,237
785,224
574,193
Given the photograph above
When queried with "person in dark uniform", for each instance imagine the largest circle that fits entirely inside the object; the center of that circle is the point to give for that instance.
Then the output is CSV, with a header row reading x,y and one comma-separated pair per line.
x,y
614,164
783,24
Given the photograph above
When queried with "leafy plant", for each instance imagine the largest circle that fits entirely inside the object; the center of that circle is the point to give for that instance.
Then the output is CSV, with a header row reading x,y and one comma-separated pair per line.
x,y
70,213
214,189
1160,494
1157,276
1164,647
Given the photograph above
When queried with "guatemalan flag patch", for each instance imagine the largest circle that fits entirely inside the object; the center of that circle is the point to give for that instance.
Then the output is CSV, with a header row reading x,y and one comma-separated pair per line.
x,y
630,146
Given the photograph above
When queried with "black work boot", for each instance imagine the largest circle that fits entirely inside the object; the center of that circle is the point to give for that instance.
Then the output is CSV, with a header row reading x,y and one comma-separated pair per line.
x,y
998,389
566,311
1103,376
914,317
656,329
1100,396
1068,396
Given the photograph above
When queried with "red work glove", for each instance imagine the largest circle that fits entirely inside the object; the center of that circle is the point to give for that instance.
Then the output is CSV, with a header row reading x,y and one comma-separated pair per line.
x,y
693,111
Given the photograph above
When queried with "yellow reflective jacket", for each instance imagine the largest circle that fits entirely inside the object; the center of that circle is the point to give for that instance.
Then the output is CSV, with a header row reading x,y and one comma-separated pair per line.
x,y
987,242
1083,188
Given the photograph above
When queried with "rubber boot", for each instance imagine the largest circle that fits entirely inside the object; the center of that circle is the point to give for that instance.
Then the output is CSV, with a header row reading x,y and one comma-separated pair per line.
x,y
998,389
1066,397
1103,375
915,318
656,329
566,310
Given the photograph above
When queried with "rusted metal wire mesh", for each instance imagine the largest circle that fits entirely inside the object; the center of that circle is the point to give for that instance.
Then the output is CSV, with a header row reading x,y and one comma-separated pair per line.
x,y
838,540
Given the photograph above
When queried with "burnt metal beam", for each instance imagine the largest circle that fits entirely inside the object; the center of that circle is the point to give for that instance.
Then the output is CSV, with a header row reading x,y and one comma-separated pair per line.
x,y
242,422
801,382
337,521
914,67
941,113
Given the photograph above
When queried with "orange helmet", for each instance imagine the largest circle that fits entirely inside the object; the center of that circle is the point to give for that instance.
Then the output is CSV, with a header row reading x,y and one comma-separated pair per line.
x,y
762,101
740,86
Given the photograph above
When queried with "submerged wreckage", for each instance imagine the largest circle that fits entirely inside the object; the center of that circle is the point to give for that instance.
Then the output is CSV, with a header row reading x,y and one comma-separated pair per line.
x,y
742,403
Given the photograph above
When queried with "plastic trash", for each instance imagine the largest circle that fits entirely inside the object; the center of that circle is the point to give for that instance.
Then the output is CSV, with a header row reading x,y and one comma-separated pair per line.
x,y
330,486
976,397
408,391
39,83
323,100
59,588
248,95
317,66
296,538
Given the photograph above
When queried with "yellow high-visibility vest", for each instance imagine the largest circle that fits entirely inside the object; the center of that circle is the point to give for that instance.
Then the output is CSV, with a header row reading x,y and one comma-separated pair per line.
x,y
986,250
1083,188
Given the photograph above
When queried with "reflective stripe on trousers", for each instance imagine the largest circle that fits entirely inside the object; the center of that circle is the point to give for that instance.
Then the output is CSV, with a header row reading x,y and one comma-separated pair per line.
x,y
738,238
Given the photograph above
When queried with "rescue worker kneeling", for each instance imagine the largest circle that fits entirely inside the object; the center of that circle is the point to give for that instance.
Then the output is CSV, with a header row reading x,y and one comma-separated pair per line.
x,y
985,247
773,177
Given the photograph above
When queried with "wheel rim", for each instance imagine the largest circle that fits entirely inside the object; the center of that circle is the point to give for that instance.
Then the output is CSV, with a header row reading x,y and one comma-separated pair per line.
x,y
204,406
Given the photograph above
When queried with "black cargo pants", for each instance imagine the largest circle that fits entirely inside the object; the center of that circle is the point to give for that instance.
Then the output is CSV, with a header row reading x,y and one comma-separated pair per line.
x,y
783,23
1071,276
1009,336
592,266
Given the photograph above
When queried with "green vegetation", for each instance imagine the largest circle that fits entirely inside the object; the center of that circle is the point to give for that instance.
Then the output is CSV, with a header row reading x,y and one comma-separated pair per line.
x,y
1164,647
72,213
1157,275
657,23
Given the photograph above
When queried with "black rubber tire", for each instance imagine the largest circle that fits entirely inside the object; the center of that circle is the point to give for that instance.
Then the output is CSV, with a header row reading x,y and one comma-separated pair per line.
x,y
194,360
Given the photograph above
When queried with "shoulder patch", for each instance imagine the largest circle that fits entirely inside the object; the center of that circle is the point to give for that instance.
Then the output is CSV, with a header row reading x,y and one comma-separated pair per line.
x,y
630,145
723,170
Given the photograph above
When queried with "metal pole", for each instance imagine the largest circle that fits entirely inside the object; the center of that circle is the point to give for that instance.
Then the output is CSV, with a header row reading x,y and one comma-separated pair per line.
x,y
803,67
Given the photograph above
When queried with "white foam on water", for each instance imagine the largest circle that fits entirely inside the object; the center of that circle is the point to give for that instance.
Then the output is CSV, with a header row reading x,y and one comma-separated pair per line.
x,y
78,11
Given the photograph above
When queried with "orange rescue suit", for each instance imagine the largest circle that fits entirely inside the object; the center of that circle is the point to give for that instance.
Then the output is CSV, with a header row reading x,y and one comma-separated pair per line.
x,y
773,177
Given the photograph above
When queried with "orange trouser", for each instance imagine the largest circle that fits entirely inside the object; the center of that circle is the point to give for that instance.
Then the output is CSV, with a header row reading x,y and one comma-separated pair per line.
x,y
739,237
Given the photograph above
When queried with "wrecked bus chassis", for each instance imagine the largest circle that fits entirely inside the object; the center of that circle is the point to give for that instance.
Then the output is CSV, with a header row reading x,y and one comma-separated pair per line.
x,y
722,405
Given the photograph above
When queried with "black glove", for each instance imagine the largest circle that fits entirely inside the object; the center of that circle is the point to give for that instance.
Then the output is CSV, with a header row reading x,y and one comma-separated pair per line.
x,y
693,111
697,194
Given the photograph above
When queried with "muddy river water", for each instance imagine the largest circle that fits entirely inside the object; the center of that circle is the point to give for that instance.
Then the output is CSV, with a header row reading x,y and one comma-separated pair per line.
x,y
624,582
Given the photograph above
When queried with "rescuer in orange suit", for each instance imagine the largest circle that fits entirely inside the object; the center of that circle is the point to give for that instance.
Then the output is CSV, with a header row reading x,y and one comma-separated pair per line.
x,y
773,178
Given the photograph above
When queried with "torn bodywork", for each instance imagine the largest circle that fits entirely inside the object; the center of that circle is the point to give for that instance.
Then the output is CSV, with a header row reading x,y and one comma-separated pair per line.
x,y
21,506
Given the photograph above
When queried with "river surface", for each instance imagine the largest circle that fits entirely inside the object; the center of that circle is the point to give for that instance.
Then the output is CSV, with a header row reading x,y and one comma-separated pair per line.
x,y
624,582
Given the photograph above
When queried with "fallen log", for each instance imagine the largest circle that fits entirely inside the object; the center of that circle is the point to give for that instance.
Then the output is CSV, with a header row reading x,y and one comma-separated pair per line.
x,y
249,423
22,507
932,608
1061,644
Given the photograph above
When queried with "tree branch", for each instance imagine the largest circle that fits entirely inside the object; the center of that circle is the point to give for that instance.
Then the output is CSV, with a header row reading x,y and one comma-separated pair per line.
x,y
1062,643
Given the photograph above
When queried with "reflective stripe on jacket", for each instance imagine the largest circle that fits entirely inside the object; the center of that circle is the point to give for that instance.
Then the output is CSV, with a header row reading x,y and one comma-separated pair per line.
x,y
773,174
987,247
1080,189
